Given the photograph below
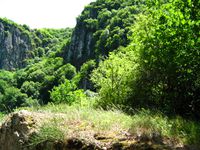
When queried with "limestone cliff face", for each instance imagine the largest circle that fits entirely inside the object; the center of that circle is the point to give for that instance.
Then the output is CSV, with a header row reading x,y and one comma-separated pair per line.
x,y
83,40
15,45
102,27
81,47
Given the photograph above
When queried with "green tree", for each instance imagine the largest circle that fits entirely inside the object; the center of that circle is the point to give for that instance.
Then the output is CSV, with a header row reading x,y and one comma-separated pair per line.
x,y
113,78
31,89
166,42
11,99
85,72
65,72
66,93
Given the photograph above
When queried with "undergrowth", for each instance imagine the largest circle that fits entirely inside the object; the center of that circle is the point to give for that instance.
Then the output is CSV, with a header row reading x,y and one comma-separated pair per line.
x,y
147,122
1,117
83,121
48,132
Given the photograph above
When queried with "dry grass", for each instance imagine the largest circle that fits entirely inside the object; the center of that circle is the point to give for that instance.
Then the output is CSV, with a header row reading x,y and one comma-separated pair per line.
x,y
63,122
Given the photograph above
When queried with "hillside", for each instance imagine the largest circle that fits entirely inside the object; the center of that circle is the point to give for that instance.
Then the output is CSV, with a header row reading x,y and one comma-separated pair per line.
x,y
127,75
19,43
100,30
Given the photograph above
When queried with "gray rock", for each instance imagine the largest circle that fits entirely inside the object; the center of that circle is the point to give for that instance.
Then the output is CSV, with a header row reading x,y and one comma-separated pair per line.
x,y
15,131
15,45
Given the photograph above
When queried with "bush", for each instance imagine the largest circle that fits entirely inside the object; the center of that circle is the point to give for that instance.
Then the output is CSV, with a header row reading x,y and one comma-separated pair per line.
x,y
31,89
165,41
67,93
12,99
112,78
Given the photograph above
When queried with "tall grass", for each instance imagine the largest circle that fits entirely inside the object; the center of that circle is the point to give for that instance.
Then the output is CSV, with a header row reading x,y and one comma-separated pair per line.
x,y
80,121
177,128
83,122
100,119
47,132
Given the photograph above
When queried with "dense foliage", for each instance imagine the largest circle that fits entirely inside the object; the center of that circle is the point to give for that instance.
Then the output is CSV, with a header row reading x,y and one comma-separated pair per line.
x,y
147,53
44,69
165,48
102,27
166,39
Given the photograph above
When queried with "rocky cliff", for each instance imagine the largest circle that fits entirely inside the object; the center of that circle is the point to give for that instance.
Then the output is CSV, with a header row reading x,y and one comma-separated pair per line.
x,y
103,26
81,47
15,45
19,43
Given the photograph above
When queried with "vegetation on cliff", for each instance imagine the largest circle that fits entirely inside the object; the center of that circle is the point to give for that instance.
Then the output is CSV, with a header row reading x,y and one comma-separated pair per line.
x,y
134,55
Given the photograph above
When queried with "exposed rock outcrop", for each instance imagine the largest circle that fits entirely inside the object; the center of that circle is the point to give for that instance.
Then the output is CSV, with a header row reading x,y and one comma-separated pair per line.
x,y
15,45
102,27
19,127
82,47
15,131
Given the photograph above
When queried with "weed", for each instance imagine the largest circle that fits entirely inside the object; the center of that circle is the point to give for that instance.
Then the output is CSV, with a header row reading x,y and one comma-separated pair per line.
x,y
48,132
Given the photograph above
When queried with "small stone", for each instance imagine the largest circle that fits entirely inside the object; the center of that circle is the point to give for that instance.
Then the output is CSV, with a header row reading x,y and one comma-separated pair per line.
x,y
16,134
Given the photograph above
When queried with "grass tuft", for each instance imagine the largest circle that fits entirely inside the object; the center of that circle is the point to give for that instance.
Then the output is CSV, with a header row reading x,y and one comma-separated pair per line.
x,y
47,132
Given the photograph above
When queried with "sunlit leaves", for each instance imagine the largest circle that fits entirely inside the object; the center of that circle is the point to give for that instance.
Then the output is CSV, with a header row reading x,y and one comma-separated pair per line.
x,y
164,39
113,77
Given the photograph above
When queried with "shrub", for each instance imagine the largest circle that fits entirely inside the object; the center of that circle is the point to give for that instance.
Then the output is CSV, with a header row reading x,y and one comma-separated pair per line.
x,y
67,93
31,88
112,78
12,99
